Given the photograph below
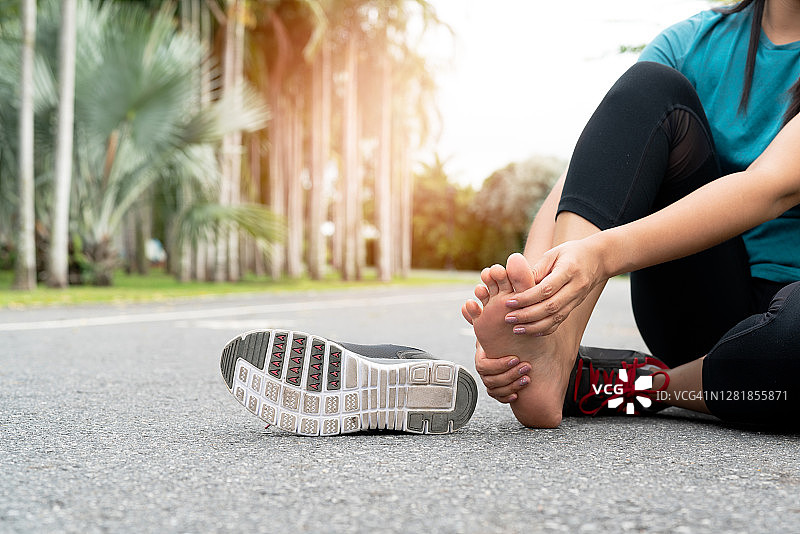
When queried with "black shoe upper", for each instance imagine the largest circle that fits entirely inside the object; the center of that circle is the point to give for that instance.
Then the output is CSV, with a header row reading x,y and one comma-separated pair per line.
x,y
595,381
388,352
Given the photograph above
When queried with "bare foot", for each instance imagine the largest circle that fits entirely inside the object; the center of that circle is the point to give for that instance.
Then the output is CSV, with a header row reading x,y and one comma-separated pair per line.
x,y
551,357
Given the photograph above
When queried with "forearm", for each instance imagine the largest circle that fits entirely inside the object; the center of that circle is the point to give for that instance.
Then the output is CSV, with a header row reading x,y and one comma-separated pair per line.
x,y
714,213
711,215
540,236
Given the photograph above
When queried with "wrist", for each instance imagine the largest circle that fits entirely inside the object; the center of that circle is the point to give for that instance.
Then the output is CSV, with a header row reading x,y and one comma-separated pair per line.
x,y
603,247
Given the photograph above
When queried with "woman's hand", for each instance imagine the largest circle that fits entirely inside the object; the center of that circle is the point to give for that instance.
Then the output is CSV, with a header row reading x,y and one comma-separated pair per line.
x,y
503,377
564,276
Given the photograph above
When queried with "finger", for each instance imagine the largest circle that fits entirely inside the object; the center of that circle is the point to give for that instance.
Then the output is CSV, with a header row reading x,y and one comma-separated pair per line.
x,y
471,311
507,400
499,275
548,324
537,330
482,294
491,285
544,265
560,304
507,378
549,286
505,391
493,366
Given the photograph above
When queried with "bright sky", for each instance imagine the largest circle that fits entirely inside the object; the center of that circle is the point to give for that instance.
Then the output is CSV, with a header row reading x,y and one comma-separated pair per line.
x,y
523,76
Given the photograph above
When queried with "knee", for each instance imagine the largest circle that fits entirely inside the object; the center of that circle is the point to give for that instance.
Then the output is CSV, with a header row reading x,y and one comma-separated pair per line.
x,y
650,82
784,311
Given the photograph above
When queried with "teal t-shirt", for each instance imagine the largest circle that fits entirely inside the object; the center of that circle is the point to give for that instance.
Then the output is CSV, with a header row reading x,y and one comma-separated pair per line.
x,y
710,49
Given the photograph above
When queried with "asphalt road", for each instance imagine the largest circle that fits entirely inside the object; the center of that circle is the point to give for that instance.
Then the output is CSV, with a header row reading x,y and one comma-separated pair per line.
x,y
116,419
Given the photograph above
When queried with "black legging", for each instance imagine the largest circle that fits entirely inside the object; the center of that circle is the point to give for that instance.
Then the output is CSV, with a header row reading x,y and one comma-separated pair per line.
x,y
648,145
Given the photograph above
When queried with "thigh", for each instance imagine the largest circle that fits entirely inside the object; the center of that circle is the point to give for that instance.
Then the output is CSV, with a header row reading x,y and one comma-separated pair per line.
x,y
683,307
647,145
750,375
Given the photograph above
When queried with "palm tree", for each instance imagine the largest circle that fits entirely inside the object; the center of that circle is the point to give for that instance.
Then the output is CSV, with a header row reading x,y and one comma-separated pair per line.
x,y
383,178
230,191
57,257
335,48
351,176
25,272
320,149
138,122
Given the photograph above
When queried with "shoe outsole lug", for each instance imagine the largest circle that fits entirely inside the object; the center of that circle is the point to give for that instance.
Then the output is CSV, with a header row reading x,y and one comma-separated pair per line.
x,y
325,389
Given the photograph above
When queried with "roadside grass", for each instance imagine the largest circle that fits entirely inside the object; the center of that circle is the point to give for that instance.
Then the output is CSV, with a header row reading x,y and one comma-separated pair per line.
x,y
159,286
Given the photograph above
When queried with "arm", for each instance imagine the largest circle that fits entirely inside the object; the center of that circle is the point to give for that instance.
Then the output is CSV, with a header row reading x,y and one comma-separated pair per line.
x,y
540,236
714,213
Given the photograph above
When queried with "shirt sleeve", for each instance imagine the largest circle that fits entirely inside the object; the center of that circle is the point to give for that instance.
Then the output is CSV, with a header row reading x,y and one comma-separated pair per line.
x,y
670,46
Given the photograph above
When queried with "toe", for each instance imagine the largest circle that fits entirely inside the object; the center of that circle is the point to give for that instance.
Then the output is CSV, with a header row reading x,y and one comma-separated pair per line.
x,y
519,272
491,285
465,313
482,294
498,273
471,311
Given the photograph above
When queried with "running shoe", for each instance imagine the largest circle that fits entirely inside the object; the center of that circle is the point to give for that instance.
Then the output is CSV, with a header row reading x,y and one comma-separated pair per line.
x,y
313,386
613,381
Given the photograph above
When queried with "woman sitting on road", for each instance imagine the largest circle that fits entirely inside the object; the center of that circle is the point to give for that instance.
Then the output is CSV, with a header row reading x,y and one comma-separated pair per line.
x,y
657,189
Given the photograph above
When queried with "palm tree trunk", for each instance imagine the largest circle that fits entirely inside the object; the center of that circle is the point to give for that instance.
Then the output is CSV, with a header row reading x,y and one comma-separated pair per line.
x,y
277,191
258,196
234,272
221,267
337,241
143,215
57,255
277,134
383,180
190,11
350,169
361,243
320,147
200,260
25,268
407,201
201,252
230,190
397,201
294,212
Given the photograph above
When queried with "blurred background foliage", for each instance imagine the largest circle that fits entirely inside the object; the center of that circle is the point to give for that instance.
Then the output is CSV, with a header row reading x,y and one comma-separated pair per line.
x,y
276,138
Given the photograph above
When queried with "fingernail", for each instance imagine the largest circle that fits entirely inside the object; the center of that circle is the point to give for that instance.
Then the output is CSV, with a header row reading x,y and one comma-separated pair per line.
x,y
524,369
540,334
524,381
512,303
519,330
511,319
512,362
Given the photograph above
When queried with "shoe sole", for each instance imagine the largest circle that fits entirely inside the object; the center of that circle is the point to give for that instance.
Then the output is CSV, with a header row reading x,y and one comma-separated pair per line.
x,y
312,386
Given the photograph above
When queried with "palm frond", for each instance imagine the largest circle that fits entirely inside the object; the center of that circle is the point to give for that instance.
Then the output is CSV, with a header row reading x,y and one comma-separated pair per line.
x,y
242,108
201,220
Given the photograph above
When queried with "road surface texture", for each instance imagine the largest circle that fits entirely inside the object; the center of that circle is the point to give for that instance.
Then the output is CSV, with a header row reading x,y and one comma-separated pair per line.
x,y
116,419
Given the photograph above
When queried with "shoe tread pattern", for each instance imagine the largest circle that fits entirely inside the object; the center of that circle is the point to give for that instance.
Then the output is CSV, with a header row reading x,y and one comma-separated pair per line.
x,y
313,386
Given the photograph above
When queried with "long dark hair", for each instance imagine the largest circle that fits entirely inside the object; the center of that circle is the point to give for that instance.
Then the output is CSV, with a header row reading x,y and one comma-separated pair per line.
x,y
752,49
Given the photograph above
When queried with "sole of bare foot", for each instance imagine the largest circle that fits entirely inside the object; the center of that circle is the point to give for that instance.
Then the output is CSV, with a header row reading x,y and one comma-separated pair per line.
x,y
552,357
